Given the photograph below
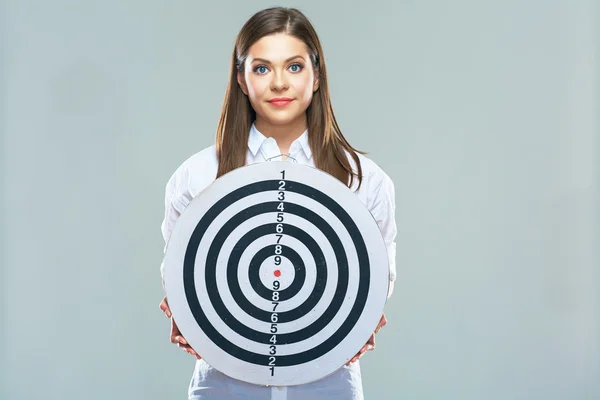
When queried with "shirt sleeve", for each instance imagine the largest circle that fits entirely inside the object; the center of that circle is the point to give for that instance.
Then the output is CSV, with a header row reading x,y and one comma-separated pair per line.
x,y
172,213
383,210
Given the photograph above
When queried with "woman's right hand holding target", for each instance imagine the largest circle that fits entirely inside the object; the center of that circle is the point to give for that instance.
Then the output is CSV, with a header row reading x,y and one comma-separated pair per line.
x,y
176,336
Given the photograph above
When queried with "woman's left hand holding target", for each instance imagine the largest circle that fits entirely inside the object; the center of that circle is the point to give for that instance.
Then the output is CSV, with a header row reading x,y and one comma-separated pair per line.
x,y
370,345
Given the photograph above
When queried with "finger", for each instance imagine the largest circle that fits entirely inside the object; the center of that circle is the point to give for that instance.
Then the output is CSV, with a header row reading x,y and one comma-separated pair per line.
x,y
188,349
164,306
354,359
193,352
362,351
371,343
181,339
174,328
176,338
359,354
196,354
382,323
185,348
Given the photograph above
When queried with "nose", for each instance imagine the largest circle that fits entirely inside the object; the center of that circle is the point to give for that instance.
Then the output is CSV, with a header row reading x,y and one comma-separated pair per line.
x,y
279,82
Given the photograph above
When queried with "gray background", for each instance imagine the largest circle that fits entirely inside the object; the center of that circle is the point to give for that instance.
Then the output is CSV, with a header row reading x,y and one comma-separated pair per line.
x,y
485,115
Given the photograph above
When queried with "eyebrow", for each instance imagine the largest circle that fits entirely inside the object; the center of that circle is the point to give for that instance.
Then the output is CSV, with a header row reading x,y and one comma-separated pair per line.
x,y
269,62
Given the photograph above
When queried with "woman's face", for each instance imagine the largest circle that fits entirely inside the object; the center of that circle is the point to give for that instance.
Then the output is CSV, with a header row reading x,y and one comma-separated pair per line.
x,y
278,67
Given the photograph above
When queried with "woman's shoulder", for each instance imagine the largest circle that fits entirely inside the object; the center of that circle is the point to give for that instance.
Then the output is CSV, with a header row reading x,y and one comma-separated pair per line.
x,y
195,173
203,160
371,171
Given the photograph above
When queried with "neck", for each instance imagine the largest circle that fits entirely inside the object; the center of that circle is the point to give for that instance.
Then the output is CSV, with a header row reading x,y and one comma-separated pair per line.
x,y
284,135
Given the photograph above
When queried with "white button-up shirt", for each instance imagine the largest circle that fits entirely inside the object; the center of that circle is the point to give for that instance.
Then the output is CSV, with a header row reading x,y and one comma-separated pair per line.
x,y
199,171
377,194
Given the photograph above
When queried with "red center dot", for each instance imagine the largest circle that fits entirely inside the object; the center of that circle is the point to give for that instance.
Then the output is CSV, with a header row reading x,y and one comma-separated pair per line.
x,y
277,273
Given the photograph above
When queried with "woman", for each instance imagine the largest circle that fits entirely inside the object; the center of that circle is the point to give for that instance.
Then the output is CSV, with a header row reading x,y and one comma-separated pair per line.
x,y
277,104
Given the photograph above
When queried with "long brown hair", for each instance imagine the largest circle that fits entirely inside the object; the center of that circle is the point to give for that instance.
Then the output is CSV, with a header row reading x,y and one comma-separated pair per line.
x,y
325,138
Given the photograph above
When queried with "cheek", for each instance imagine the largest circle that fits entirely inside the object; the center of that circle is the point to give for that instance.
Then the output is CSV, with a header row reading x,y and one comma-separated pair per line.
x,y
304,86
256,87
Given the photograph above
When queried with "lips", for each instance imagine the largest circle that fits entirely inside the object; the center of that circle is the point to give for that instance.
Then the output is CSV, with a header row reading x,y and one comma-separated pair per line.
x,y
281,101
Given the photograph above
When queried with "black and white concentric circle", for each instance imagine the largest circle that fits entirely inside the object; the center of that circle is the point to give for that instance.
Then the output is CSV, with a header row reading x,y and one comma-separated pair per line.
x,y
276,274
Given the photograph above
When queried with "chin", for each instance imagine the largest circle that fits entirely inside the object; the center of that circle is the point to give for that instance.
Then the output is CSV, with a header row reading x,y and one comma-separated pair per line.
x,y
281,119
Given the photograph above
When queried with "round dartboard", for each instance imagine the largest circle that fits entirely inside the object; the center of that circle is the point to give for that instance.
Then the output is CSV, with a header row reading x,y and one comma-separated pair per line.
x,y
276,274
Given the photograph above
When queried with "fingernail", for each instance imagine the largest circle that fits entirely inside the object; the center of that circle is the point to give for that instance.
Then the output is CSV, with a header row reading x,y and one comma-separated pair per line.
x,y
168,314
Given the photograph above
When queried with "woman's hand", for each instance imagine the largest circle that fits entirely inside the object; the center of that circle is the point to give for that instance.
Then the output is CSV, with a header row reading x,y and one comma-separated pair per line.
x,y
370,345
176,336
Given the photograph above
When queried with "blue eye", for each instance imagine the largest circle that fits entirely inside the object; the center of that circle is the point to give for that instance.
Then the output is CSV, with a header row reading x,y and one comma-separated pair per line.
x,y
262,69
298,67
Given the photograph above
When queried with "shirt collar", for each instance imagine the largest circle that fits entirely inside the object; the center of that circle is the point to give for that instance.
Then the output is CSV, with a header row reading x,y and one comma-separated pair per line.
x,y
256,140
